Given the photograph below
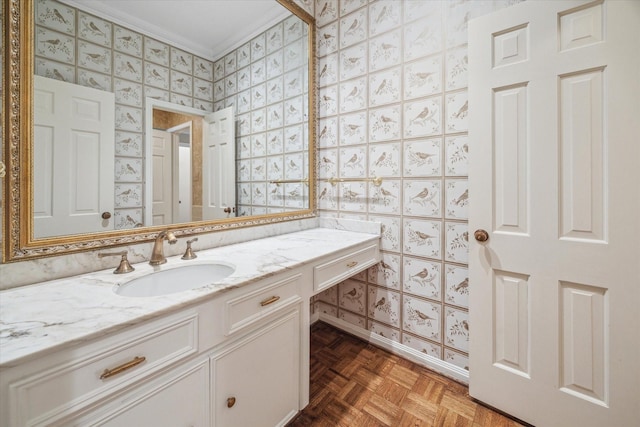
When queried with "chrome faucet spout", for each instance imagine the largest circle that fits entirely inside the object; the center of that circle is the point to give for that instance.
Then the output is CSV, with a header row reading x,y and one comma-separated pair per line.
x,y
157,255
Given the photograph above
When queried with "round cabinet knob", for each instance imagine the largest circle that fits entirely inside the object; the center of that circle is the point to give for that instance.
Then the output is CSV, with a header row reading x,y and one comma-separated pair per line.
x,y
481,235
106,215
230,402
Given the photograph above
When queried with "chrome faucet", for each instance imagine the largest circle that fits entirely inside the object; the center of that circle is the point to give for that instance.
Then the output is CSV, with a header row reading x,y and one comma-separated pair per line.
x,y
157,256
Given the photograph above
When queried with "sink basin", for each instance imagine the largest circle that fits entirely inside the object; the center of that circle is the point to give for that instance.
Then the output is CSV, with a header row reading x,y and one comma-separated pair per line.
x,y
175,280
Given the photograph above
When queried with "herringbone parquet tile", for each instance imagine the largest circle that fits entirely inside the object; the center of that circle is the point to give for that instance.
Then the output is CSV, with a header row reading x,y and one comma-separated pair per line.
x,y
356,384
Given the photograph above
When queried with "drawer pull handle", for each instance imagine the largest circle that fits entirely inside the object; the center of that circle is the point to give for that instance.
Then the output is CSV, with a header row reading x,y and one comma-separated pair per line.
x,y
230,402
115,371
352,264
270,300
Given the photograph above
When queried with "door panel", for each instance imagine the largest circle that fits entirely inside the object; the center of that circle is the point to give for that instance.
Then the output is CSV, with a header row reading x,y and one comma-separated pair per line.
x,y
218,164
554,93
582,154
73,158
85,172
511,324
510,148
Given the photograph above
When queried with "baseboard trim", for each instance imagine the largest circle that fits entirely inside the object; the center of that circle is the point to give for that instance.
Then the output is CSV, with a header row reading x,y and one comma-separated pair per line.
x,y
440,366
314,317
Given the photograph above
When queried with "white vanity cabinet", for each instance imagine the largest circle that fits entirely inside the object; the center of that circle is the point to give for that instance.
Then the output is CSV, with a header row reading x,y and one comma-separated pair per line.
x,y
178,371
55,389
256,380
236,357
256,376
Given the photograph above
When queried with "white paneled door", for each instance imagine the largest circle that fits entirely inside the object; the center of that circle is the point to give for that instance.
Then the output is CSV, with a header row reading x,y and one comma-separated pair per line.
x,y
555,183
218,165
73,159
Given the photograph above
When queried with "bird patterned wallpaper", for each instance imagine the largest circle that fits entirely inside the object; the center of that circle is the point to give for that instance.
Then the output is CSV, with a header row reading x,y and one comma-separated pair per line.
x,y
266,81
393,103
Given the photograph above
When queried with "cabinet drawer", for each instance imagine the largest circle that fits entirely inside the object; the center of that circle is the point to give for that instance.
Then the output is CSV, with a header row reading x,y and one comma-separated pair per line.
x,y
250,307
344,266
101,368
161,401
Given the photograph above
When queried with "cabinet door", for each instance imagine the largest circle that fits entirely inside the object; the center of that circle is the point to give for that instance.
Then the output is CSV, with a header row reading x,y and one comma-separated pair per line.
x,y
256,380
177,399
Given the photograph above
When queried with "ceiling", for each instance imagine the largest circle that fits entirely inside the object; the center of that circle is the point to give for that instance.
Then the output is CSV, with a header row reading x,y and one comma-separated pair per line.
x,y
208,28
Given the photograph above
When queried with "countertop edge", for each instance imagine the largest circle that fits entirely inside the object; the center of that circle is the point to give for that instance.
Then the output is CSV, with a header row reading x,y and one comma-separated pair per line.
x,y
180,305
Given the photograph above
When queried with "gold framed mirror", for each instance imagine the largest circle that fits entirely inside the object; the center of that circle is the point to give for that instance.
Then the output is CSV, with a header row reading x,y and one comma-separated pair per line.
x,y
23,177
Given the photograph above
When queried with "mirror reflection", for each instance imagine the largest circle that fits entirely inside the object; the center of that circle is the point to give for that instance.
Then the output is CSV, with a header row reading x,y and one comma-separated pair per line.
x,y
132,130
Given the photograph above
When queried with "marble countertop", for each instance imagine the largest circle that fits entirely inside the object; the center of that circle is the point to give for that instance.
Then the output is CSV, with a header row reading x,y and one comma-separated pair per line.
x,y
44,317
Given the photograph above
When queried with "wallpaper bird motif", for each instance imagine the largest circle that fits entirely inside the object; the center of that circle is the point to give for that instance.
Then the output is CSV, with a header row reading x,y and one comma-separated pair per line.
x,y
265,79
411,59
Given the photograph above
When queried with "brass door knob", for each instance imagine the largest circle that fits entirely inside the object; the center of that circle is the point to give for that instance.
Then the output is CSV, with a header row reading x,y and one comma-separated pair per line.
x,y
106,215
227,210
481,235
230,402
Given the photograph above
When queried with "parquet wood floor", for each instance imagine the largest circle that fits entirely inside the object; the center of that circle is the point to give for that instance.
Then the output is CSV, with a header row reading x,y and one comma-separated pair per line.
x,y
355,384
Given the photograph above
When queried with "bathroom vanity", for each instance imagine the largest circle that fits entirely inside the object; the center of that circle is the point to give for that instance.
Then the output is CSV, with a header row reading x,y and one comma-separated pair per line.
x,y
231,353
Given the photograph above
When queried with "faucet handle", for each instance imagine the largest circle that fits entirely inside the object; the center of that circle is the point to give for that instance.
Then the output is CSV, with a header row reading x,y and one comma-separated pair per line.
x,y
188,254
124,266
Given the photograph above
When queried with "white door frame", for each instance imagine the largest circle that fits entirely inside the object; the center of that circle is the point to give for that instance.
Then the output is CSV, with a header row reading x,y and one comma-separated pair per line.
x,y
150,105
162,178
184,184
175,164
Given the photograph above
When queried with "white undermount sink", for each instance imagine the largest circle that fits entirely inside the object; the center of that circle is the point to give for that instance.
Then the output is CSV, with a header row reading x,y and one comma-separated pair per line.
x,y
175,280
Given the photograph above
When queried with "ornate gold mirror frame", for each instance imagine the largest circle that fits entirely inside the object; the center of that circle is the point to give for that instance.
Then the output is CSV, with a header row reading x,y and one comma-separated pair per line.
x,y
17,199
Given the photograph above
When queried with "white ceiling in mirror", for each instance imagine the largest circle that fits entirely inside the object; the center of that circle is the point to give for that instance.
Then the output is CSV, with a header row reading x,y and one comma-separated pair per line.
x,y
208,28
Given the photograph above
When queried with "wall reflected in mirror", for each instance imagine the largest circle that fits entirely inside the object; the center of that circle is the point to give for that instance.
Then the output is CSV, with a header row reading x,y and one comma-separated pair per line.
x,y
128,173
